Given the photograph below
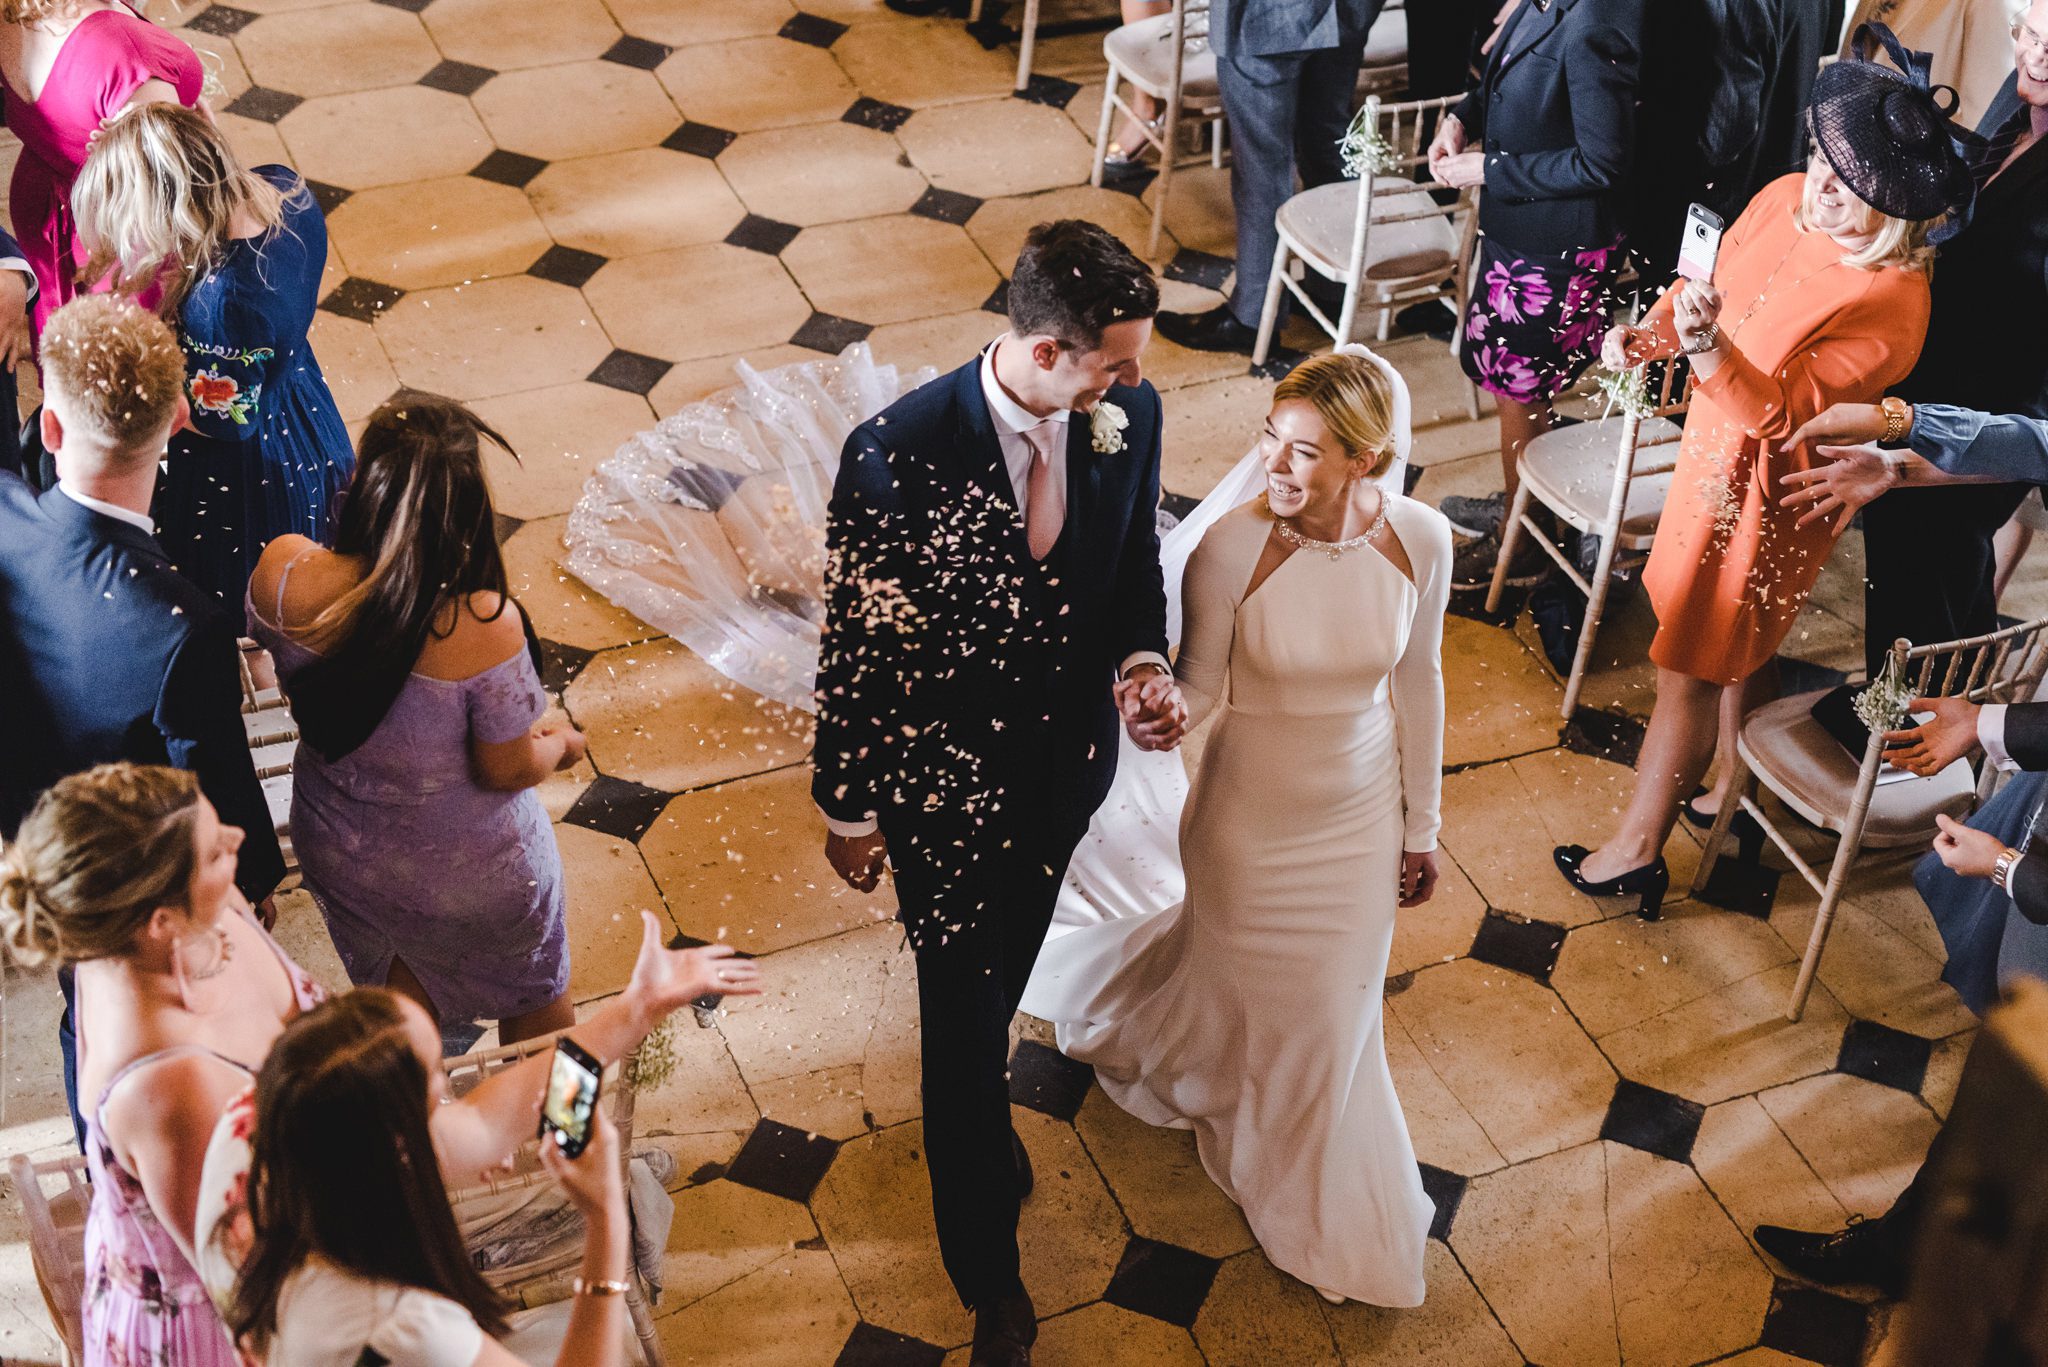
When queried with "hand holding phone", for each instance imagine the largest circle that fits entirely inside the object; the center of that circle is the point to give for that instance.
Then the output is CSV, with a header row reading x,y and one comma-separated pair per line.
x,y
568,1108
1701,245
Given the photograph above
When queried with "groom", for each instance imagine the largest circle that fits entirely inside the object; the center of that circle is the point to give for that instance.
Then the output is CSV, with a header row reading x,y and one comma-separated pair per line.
x,y
994,609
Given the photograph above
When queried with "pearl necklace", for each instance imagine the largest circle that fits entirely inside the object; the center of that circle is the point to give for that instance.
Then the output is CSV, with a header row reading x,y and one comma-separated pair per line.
x,y
1333,549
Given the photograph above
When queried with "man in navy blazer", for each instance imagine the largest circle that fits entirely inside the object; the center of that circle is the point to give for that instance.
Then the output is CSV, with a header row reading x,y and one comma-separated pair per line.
x,y
996,608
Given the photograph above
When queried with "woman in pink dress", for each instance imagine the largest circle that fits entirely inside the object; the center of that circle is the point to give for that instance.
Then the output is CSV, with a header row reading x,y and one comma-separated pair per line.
x,y
69,66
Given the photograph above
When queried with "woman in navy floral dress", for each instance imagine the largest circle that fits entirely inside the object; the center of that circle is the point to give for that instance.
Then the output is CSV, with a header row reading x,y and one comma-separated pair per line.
x,y
239,254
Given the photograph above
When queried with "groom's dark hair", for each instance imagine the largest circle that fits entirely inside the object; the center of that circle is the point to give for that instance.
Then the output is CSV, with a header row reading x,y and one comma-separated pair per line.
x,y
1074,279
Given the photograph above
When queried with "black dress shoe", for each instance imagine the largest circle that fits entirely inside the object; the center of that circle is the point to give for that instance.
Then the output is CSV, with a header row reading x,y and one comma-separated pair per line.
x,y
1216,330
1863,1254
1648,883
1004,1332
1025,1181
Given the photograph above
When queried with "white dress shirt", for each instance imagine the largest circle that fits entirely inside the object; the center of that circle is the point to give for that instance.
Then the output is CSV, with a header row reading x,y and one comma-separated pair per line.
x,y
1991,735
113,510
1012,420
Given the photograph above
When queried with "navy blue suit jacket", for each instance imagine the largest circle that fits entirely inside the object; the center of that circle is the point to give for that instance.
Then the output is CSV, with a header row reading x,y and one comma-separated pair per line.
x,y
108,653
958,674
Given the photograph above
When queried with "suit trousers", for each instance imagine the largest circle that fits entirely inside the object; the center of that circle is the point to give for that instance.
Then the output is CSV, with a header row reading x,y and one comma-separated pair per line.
x,y
976,903
1287,112
1928,564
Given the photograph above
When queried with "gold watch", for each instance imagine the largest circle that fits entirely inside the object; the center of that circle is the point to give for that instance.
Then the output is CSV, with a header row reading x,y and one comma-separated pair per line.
x,y
1898,416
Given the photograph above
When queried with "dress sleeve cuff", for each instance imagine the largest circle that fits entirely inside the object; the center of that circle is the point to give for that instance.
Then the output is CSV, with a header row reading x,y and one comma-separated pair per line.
x,y
15,263
1142,657
2012,879
865,826
1991,735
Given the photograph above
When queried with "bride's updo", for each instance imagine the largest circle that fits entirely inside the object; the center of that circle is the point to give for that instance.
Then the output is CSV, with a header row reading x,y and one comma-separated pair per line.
x,y
98,854
1355,400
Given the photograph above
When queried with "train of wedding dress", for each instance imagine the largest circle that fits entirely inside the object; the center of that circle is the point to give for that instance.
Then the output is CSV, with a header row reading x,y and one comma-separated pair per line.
x,y
711,527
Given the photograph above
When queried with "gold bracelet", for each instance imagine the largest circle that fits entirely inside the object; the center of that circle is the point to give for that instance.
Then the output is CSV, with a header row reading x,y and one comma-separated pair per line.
x,y
600,1288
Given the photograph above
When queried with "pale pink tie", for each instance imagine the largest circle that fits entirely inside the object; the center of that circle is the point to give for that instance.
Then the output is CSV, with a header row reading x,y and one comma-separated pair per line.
x,y
1042,511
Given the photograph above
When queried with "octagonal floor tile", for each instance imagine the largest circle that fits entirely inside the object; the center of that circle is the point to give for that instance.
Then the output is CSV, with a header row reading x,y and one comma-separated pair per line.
x,y
1498,700
1159,1180
335,50
437,232
1864,1140
1214,424
1001,225
929,62
820,173
1534,1238
255,142
1452,1328
754,83
944,343
1732,1040
504,35
701,1111
701,21
1256,1314
648,199
997,147
819,1004
1757,1174
875,1210
1442,928
358,373
1687,1286
745,862
494,337
1870,968
697,301
384,137
691,381
658,715
1486,1031
792,1313
940,270
608,888
562,433
562,608
1625,971
723,1232
577,110
1198,211
1442,1131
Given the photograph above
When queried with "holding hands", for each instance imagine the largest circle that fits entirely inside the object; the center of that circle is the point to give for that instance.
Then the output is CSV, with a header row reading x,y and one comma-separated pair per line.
x,y
1155,715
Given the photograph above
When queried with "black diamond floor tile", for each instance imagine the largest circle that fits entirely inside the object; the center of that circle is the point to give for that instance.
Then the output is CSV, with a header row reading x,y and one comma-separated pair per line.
x,y
222,21
1736,885
618,807
637,52
999,301
758,234
872,1347
457,78
1816,1325
1191,267
361,299
1880,1054
1180,505
630,371
1528,947
1047,1081
1280,362
829,333
947,206
504,524
1129,180
782,1161
328,197
699,140
813,29
1161,1280
508,168
1050,91
1653,1121
560,664
567,266
883,118
1446,1189
264,105
1604,735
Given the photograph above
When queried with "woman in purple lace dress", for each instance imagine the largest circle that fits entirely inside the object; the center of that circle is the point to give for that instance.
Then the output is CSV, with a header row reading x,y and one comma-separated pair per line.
x,y
406,664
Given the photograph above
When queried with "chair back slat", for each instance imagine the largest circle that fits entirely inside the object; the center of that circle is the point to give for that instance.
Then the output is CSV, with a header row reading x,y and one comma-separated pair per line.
x,y
54,1197
2000,666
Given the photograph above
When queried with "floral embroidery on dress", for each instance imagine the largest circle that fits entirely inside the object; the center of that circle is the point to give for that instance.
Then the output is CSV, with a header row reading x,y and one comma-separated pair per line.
x,y
223,396
1516,292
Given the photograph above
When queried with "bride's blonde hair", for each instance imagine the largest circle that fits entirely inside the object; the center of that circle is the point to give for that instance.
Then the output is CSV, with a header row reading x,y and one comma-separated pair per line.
x,y
1355,400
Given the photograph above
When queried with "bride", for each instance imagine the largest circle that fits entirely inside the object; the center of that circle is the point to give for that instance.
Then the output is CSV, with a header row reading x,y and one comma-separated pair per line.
x,y
1313,601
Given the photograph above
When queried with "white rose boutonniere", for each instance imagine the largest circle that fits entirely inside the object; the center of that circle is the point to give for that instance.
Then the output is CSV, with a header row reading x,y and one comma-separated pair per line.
x,y
1106,425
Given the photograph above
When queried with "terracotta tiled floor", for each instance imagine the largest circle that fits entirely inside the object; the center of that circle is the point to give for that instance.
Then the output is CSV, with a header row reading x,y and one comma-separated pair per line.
x,y
578,215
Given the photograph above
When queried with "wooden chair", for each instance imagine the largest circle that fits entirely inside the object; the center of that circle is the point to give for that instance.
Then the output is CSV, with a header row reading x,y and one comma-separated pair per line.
x,y
1166,56
526,1237
54,1196
1608,479
1786,750
1383,237
273,743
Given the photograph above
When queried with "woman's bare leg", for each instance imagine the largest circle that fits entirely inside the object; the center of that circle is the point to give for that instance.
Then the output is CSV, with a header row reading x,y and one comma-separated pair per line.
x,y
1676,751
1737,702
400,979
1127,135
1520,423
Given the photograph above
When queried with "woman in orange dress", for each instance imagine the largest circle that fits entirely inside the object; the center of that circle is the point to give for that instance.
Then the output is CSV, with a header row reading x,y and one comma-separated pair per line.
x,y
1819,296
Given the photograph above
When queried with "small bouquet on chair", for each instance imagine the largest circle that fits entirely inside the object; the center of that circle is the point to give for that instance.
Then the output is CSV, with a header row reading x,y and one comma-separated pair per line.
x,y
1365,150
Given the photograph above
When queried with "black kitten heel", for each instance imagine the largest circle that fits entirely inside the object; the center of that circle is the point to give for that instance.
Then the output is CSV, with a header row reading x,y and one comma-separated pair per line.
x,y
1648,884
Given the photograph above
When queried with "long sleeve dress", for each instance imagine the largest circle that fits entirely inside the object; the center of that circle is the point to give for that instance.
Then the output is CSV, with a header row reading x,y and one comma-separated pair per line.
x,y
1324,765
1731,570
271,454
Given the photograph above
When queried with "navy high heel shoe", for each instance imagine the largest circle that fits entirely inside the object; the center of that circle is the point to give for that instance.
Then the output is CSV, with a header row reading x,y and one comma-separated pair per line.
x,y
1648,883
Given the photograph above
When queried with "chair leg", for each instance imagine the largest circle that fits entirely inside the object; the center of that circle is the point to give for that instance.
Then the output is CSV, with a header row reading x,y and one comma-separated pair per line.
x,y
643,1324
974,12
1739,785
1596,603
1027,45
1510,536
1347,315
1171,137
1102,127
1269,312
1830,901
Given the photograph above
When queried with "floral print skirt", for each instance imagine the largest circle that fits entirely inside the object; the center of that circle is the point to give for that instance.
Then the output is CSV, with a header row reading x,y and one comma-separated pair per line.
x,y
1536,321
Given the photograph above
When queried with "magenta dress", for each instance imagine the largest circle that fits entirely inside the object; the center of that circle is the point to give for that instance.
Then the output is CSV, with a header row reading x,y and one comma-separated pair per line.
x,y
103,61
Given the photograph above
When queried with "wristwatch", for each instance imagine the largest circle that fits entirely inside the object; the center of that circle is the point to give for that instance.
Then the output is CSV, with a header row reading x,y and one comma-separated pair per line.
x,y
2001,868
1898,419
1706,341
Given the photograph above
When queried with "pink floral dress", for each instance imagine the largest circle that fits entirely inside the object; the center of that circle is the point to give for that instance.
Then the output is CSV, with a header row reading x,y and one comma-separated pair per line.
x,y
1535,321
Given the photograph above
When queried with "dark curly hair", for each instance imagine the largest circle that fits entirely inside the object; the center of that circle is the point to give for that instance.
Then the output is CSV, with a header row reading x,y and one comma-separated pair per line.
x,y
1074,279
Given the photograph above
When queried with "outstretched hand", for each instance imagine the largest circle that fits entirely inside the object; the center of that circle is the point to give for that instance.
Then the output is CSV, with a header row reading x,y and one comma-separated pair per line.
x,y
1154,713
1853,476
666,980
1938,742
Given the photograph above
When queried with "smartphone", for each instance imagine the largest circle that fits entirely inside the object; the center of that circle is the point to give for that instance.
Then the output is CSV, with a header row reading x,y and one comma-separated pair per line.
x,y
1701,243
569,1108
